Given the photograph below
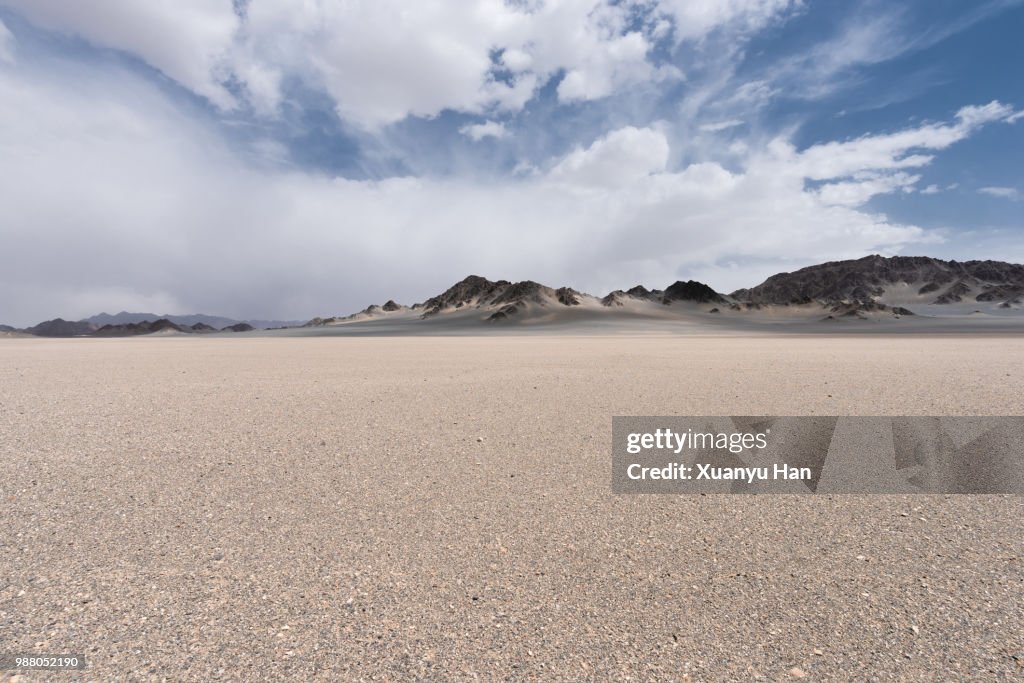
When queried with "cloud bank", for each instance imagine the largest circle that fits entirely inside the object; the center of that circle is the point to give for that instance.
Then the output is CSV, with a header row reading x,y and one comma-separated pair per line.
x,y
120,195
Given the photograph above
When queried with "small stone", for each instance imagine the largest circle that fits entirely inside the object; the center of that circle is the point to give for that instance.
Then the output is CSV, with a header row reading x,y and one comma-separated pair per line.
x,y
479,439
861,558
818,652
797,672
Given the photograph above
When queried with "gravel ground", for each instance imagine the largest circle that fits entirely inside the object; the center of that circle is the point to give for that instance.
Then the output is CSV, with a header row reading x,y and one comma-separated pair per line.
x,y
440,509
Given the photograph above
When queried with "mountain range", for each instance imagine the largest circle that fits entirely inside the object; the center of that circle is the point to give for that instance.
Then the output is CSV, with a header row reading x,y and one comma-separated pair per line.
x,y
868,288
126,324
873,287
214,321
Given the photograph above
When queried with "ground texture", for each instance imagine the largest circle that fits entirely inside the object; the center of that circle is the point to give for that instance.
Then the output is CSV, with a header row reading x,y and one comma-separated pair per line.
x,y
440,509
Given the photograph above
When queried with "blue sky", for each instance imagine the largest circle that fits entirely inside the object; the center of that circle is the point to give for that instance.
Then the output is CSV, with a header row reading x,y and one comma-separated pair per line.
x,y
267,159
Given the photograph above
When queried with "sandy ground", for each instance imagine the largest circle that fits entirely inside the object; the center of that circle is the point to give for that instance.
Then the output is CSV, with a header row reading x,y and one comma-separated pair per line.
x,y
440,509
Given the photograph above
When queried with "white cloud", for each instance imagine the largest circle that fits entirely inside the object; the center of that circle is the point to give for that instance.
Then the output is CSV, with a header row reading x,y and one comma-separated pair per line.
x,y
859,169
857,192
188,40
6,44
616,160
931,189
488,129
720,126
194,225
1002,192
384,60
696,18
895,150
199,230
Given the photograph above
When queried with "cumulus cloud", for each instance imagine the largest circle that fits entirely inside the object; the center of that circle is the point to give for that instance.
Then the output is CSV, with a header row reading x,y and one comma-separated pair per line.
x,y
931,189
616,160
488,129
385,60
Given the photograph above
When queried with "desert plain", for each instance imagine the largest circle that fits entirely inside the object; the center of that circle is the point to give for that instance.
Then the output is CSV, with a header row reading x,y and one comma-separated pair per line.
x,y
439,508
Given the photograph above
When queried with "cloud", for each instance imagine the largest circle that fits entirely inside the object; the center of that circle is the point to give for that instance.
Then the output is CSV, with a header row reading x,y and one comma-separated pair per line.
x,y
895,150
931,189
385,60
1010,193
616,160
173,218
7,42
694,19
188,40
720,125
858,170
488,129
159,208
867,185
869,34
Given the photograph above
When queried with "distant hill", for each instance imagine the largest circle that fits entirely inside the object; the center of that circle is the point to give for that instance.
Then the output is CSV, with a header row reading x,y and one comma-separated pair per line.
x,y
64,328
142,327
214,321
58,327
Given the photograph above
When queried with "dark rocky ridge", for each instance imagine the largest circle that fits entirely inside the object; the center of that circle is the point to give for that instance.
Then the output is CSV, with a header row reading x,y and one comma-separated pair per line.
x,y
505,299
58,327
133,329
866,278
692,290
510,297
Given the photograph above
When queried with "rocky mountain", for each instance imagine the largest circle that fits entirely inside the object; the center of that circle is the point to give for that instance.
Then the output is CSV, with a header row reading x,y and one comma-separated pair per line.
x,y
6,328
500,300
142,327
692,291
927,280
58,327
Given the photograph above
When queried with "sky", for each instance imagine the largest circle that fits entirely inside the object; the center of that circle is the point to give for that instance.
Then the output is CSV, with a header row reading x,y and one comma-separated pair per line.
x,y
283,160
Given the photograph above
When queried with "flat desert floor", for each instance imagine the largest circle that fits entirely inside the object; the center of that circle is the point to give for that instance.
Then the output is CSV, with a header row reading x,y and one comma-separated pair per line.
x,y
393,509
